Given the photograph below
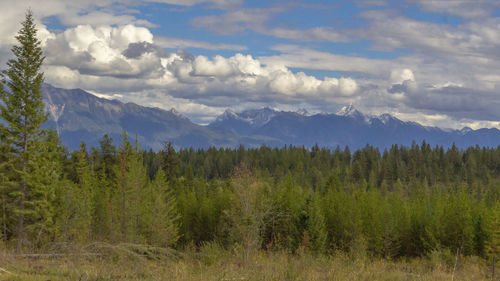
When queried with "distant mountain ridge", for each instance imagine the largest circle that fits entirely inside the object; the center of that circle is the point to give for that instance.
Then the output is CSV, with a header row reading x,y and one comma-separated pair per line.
x,y
349,127
80,116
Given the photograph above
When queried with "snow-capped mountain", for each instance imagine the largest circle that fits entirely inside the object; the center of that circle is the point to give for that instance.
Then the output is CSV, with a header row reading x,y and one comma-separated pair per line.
x,y
80,116
351,127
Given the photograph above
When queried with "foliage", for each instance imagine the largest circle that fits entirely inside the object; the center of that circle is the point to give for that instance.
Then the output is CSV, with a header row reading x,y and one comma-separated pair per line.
x,y
22,113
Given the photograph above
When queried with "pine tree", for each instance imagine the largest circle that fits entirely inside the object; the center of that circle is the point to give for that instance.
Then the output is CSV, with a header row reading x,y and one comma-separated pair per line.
x,y
21,108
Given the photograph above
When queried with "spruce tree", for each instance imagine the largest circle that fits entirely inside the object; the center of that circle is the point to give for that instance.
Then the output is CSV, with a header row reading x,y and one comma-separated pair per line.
x,y
22,110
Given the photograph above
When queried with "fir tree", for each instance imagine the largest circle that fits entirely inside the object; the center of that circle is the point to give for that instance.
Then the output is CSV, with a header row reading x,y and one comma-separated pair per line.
x,y
124,154
316,226
22,110
137,180
159,213
77,201
170,162
44,180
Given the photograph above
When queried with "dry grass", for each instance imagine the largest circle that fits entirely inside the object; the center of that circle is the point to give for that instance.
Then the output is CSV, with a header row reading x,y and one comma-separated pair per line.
x,y
214,263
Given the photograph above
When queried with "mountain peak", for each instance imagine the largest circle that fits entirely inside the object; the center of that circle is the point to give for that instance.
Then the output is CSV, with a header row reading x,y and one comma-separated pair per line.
x,y
385,118
466,130
302,111
228,114
347,110
177,113
350,111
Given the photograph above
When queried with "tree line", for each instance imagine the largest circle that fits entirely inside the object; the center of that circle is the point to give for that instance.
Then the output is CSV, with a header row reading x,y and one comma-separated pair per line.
x,y
401,202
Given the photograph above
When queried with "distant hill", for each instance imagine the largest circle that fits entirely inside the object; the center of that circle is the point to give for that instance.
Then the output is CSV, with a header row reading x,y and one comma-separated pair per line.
x,y
80,116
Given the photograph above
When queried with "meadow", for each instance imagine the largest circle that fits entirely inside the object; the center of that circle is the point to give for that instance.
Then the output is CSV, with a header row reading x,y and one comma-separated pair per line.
x,y
211,262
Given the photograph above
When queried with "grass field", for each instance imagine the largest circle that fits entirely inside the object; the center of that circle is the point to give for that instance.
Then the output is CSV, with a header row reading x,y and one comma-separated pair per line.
x,y
213,263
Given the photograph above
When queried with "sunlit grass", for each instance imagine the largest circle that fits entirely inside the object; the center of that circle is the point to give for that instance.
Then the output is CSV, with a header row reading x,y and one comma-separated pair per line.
x,y
214,263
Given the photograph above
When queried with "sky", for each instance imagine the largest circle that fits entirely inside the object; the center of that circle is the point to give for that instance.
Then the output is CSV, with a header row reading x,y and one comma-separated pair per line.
x,y
434,62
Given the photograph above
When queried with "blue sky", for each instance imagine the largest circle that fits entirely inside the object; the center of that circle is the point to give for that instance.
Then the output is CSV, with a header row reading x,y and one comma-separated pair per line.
x,y
433,62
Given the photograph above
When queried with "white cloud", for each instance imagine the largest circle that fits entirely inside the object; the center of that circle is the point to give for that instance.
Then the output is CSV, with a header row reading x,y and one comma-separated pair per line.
x,y
218,67
99,51
398,76
442,69
125,59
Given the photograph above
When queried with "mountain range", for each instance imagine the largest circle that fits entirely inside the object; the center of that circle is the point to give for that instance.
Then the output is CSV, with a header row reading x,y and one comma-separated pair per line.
x,y
80,116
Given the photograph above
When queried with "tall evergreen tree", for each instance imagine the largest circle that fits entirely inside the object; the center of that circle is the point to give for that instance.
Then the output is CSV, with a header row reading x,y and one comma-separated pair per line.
x,y
138,179
123,185
170,161
159,216
76,206
316,226
22,110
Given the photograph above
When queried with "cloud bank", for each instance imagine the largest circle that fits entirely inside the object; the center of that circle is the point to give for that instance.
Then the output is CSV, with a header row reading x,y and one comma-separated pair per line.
x,y
430,71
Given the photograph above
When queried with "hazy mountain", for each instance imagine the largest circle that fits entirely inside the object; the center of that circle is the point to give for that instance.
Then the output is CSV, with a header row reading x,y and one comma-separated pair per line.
x,y
80,116
349,127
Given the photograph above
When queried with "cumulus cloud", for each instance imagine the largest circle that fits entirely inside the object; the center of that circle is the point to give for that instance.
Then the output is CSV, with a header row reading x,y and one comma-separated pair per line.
x,y
105,50
398,76
444,72
403,81
127,58
218,67
136,49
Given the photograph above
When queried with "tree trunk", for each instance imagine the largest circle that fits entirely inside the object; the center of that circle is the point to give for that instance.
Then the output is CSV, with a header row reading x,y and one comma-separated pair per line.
x,y
20,217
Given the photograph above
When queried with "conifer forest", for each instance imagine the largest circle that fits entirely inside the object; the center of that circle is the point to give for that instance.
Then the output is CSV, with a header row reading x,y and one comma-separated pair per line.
x,y
399,204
